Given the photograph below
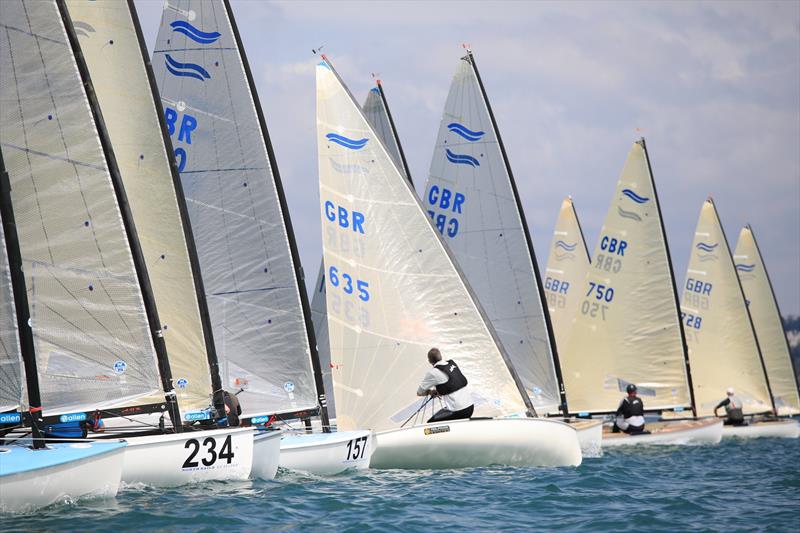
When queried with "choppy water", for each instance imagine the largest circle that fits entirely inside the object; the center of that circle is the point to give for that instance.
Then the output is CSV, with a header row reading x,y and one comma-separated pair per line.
x,y
736,486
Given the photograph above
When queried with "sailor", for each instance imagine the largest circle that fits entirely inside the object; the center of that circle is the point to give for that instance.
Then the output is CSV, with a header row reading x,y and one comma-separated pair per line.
x,y
232,408
733,409
446,381
630,413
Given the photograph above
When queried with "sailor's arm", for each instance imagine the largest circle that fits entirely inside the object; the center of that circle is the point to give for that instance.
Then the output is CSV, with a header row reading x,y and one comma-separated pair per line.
x,y
428,385
721,404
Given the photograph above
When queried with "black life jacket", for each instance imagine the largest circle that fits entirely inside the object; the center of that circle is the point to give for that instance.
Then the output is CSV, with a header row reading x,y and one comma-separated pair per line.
x,y
632,407
455,379
232,402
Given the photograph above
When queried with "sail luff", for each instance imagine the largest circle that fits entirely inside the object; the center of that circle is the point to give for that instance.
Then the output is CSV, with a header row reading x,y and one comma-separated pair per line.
x,y
531,253
395,137
142,275
284,208
777,322
672,277
8,233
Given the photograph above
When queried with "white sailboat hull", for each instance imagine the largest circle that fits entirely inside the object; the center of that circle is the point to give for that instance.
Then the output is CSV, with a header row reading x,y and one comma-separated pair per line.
x,y
327,453
266,454
39,487
590,436
669,433
786,429
479,442
189,457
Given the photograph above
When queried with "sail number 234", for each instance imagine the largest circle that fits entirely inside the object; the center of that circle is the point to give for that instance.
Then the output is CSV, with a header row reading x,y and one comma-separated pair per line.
x,y
211,455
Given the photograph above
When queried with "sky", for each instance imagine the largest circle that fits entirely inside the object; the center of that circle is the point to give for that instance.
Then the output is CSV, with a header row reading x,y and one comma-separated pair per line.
x,y
713,87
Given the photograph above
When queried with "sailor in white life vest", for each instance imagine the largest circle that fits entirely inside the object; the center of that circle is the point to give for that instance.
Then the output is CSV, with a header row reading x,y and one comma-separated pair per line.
x,y
630,413
733,409
446,381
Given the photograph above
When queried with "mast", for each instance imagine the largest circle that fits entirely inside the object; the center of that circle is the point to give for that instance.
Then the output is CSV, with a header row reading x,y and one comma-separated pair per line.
x,y
298,268
394,132
746,308
194,262
772,291
580,230
21,305
542,301
684,345
127,220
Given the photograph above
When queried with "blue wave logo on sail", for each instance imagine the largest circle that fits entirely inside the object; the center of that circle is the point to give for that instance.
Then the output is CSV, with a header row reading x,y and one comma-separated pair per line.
x,y
461,159
635,197
189,70
341,140
566,246
745,268
707,247
465,132
181,26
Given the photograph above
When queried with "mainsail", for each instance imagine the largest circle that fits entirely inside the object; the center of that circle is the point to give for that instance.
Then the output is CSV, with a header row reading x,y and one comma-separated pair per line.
x,y
114,55
472,199
93,343
627,324
723,349
11,378
376,111
767,322
249,262
565,272
394,291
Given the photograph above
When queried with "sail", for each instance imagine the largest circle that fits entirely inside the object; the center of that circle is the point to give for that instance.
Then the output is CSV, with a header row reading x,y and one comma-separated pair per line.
x,y
723,350
472,200
767,322
627,326
393,291
565,272
91,332
111,47
376,111
236,208
11,378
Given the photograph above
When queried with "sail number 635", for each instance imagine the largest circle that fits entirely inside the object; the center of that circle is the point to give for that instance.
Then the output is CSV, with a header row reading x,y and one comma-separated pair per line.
x,y
348,284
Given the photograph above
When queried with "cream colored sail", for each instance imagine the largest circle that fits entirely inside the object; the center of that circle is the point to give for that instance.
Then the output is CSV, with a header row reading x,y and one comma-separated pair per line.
x,y
626,327
766,319
565,272
723,351
110,45
393,291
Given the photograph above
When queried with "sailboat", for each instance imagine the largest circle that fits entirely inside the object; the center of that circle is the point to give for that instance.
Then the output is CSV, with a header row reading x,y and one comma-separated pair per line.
x,y
32,474
250,265
766,317
566,269
723,348
472,198
627,326
376,111
401,294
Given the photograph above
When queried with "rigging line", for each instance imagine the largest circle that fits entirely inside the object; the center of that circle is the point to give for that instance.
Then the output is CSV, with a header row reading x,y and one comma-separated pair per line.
x,y
53,156
245,291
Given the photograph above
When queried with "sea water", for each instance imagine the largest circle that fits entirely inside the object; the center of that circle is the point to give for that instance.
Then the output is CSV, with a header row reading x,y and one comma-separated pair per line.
x,y
735,486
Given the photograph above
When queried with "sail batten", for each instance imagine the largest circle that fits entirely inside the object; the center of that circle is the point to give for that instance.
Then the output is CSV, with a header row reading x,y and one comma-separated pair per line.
x,y
87,311
471,196
723,349
250,269
376,298
626,327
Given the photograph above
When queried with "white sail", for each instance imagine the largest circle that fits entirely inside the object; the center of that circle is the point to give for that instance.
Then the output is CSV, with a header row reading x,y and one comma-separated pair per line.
x,y
565,272
377,114
627,325
723,350
393,291
91,332
110,45
472,200
767,322
11,378
236,208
